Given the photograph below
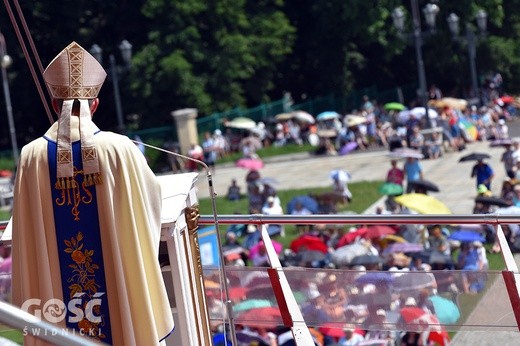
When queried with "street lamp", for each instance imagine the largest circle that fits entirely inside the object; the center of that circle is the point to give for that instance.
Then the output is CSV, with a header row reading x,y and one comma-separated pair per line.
x,y
471,40
5,62
126,52
430,13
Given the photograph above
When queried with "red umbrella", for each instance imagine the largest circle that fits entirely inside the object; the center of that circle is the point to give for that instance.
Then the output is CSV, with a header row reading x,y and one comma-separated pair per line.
x,y
252,164
371,232
333,330
308,242
425,321
267,316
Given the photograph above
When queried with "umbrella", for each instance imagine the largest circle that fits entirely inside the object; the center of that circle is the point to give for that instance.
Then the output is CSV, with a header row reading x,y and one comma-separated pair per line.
x,y
474,157
233,251
344,255
501,142
466,236
347,148
327,116
304,117
401,153
391,189
413,281
284,116
251,141
308,242
241,123
333,330
306,201
419,112
341,175
354,120
445,309
278,247
506,99
413,315
424,185
451,102
492,200
375,278
403,247
371,232
394,106
251,164
260,316
424,204
366,259
252,304
469,129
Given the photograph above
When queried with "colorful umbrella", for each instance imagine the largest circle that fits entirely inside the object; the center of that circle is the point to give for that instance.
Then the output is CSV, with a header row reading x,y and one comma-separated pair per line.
x,y
391,189
469,129
241,123
306,201
252,304
466,236
394,106
333,330
253,251
419,320
424,204
403,247
347,148
266,316
445,309
308,242
251,164
327,116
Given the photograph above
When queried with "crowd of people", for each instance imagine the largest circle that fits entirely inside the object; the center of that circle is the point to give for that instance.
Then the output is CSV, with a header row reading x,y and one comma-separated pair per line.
x,y
362,301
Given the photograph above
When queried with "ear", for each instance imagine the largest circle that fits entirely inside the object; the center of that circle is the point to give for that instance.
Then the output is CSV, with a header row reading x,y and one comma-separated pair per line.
x,y
94,105
55,106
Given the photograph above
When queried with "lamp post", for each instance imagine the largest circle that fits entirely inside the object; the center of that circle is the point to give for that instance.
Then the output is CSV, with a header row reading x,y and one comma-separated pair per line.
x,y
5,62
126,52
430,12
471,41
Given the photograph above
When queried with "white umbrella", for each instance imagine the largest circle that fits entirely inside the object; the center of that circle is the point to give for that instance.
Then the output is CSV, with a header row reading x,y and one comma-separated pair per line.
x,y
304,117
354,120
345,254
241,123
405,153
420,111
340,175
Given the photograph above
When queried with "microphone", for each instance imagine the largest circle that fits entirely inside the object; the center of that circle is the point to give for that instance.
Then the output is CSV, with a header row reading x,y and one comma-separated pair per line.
x,y
212,194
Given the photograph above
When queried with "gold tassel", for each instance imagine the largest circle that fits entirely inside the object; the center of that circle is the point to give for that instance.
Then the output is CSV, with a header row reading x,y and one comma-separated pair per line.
x,y
97,179
57,185
68,183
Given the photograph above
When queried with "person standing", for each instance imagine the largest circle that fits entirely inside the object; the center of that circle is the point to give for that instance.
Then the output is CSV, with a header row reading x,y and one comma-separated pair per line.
x,y
483,173
413,171
86,218
395,174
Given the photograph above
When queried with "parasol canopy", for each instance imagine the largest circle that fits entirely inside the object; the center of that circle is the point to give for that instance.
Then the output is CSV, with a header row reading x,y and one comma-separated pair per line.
x,y
394,106
308,242
366,259
492,200
466,236
426,185
402,153
251,164
413,281
241,123
403,247
341,175
284,116
304,117
343,256
328,115
474,157
391,189
352,120
306,201
423,204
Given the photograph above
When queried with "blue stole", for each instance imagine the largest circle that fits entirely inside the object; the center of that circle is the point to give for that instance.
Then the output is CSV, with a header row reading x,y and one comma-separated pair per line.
x,y
80,250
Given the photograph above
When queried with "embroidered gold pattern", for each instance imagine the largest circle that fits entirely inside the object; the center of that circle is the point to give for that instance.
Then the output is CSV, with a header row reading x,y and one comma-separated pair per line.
x,y
64,156
83,280
73,193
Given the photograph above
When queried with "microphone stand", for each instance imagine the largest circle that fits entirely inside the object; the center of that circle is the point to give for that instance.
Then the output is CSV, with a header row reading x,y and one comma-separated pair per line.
x,y
229,304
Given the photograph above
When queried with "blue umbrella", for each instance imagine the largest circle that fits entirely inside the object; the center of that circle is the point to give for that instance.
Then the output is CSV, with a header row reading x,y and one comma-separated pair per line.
x,y
347,148
307,202
466,236
375,278
327,115
445,309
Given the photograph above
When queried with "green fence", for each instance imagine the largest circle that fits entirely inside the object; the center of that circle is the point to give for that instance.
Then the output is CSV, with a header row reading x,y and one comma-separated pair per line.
x,y
266,112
